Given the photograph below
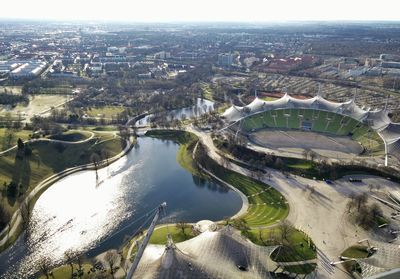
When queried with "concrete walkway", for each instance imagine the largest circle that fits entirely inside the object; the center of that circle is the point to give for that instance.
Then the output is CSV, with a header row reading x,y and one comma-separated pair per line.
x,y
322,215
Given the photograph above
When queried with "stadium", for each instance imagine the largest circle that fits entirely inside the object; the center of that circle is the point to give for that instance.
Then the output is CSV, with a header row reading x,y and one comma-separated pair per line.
x,y
332,129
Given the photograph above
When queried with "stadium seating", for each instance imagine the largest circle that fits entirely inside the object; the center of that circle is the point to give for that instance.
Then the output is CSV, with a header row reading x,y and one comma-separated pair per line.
x,y
322,121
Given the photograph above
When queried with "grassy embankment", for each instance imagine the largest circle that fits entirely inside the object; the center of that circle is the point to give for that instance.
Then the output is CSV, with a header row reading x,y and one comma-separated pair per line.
x,y
186,141
297,245
159,235
356,252
8,137
104,111
72,136
48,158
266,205
310,169
64,272
207,92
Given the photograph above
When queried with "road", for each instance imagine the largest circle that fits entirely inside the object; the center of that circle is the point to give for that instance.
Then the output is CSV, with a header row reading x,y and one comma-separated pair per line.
x,y
321,214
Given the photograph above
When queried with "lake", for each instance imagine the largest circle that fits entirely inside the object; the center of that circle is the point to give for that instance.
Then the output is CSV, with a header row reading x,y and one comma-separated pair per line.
x,y
83,215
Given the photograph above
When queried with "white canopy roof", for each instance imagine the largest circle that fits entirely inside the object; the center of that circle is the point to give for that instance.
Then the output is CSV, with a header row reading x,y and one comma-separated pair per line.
x,y
376,119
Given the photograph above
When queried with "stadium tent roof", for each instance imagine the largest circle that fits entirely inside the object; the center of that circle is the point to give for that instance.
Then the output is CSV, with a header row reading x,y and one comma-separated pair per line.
x,y
385,259
378,120
208,255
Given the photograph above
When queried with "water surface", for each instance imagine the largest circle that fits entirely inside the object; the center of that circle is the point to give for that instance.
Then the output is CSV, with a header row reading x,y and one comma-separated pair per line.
x,y
77,213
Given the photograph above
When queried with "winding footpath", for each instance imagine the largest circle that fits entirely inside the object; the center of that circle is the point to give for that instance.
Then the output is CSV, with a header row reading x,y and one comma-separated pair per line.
x,y
17,221
50,140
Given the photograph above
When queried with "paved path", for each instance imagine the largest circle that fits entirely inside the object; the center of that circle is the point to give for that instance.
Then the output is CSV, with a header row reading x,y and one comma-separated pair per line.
x,y
50,140
321,215
16,219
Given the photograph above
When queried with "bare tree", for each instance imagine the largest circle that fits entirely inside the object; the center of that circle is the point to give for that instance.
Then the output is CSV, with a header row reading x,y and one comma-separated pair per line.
x,y
69,257
95,159
305,154
259,175
44,266
312,155
111,258
4,216
25,211
284,228
375,210
361,200
350,204
181,225
370,187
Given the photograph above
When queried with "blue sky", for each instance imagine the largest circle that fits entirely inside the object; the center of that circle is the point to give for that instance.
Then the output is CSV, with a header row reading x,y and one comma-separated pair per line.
x,y
202,10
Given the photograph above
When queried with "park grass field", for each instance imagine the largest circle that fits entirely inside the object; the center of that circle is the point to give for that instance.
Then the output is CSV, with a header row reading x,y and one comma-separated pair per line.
x,y
301,269
108,128
296,247
356,251
72,136
6,143
105,111
37,105
266,205
159,235
207,92
64,272
48,158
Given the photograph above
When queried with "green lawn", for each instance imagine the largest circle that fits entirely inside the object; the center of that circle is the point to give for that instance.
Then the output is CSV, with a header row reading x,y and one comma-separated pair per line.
x,y
9,137
104,128
159,235
187,141
268,98
64,272
301,269
356,251
105,111
72,135
48,158
207,92
297,246
266,205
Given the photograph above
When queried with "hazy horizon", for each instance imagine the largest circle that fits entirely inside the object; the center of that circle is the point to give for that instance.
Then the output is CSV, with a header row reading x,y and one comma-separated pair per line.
x,y
175,11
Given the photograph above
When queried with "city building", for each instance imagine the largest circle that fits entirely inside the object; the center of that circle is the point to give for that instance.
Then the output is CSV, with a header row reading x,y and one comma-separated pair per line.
x,y
225,59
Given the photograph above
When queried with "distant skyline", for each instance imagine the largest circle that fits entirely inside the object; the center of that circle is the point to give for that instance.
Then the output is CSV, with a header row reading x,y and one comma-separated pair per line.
x,y
202,10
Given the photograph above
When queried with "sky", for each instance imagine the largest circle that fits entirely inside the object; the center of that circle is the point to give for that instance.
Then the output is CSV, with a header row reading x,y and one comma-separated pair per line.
x,y
201,10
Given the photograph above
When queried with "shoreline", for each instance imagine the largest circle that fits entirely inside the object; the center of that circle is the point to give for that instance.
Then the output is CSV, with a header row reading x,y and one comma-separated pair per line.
x,y
13,230
245,200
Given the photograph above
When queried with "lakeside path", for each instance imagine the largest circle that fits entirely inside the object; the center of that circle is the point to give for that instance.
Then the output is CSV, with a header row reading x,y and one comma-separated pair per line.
x,y
15,223
321,215
92,135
